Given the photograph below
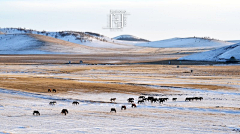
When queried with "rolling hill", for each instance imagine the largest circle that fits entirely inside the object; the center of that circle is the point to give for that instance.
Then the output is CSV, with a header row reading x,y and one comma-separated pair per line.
x,y
26,41
191,42
39,44
220,54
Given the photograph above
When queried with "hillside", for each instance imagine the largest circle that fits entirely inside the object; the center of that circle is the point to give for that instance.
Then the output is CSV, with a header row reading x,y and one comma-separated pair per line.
x,y
22,41
82,38
39,44
220,54
234,41
192,42
130,38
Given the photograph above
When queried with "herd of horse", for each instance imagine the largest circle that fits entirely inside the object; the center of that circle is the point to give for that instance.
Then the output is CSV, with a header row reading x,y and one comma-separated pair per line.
x,y
141,100
64,111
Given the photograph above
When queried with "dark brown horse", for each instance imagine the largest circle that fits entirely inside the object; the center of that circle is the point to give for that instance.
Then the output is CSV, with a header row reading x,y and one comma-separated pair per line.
x,y
64,111
113,110
36,113
112,99
134,105
123,107
49,90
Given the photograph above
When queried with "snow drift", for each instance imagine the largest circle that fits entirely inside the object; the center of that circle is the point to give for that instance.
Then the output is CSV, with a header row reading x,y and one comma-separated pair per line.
x,y
220,54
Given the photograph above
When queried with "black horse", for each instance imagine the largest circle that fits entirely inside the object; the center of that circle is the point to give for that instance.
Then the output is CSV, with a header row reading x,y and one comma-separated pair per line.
x,y
154,100
36,113
123,107
64,111
49,90
113,110
54,90
189,99
141,97
112,99
130,100
52,103
161,100
140,101
75,103
150,98
198,98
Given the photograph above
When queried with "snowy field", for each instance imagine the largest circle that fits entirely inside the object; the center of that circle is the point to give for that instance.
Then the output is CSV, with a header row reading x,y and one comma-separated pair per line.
x,y
94,117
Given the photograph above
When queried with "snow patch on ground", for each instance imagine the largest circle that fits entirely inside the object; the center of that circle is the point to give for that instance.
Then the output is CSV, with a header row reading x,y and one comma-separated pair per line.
x,y
220,54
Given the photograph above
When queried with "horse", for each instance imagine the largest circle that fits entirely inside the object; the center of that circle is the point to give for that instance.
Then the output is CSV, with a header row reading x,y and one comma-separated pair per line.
x,y
161,100
154,100
112,99
75,103
130,100
197,98
113,110
134,105
36,113
49,90
165,99
54,90
64,111
52,103
123,107
141,97
140,101
150,98
174,99
189,99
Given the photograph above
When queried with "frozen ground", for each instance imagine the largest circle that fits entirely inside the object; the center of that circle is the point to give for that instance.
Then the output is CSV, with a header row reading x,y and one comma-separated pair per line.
x,y
93,115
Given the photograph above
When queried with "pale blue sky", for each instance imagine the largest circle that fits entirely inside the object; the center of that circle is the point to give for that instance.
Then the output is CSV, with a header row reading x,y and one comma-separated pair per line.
x,y
150,19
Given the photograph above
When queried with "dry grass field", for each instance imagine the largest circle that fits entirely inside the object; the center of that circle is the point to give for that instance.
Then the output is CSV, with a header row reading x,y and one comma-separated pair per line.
x,y
24,72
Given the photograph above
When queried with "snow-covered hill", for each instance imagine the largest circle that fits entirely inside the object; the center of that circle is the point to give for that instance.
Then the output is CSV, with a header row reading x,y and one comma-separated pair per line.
x,y
83,38
38,44
130,38
23,41
192,42
220,54
234,41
